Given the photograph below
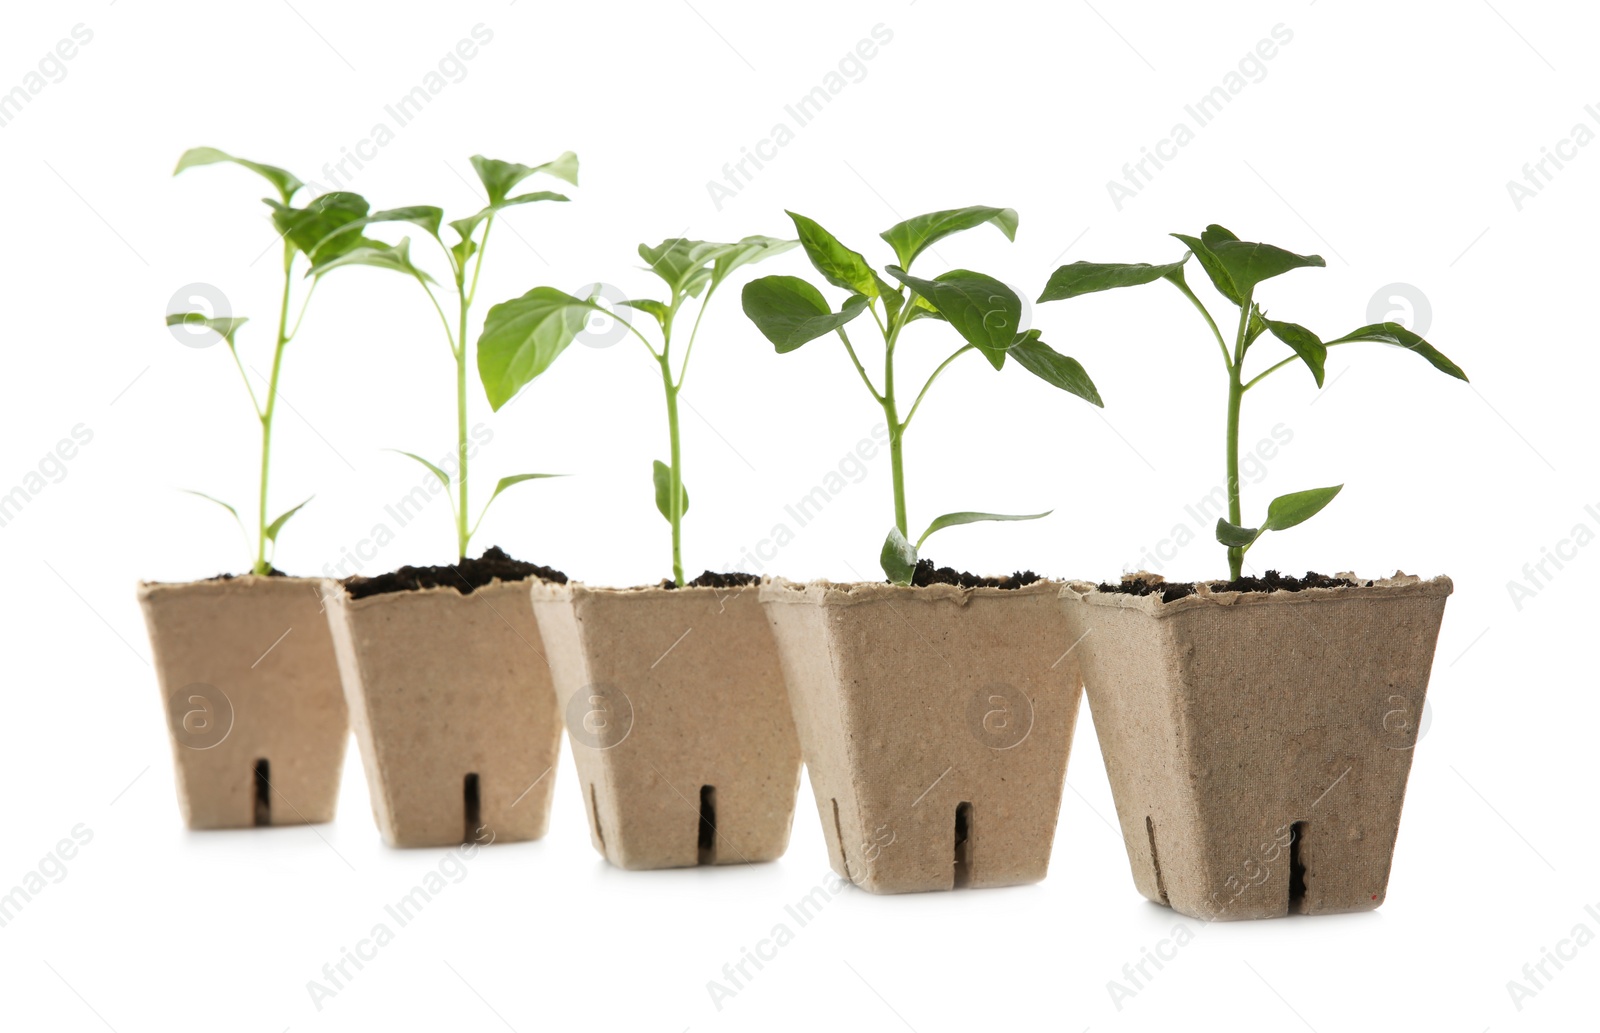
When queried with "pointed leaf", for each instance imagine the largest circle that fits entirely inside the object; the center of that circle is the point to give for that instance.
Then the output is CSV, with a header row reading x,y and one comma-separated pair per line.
x,y
684,264
747,251
1236,537
954,519
910,238
285,182
313,230
898,558
662,474
1305,344
375,253
1400,337
1285,511
224,505
789,311
444,478
1214,269
499,177
1069,281
1248,263
982,309
1214,235
224,328
655,308
523,336
283,518
1054,368
838,264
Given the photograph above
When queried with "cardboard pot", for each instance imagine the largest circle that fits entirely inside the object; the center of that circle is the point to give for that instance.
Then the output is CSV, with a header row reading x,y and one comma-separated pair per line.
x,y
1258,744
680,728
451,703
254,709
935,723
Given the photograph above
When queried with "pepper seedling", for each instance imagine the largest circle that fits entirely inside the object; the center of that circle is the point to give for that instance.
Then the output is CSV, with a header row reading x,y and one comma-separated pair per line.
x,y
984,312
524,335
466,255
303,231
1236,267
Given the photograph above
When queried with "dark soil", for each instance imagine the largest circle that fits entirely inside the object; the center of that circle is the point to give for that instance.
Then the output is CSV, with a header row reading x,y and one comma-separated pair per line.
x,y
927,574
1272,581
711,579
464,576
273,572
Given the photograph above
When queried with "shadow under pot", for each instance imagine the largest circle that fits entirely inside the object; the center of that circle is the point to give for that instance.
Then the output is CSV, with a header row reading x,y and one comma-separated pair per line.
x,y
254,710
1258,743
936,724
452,706
680,728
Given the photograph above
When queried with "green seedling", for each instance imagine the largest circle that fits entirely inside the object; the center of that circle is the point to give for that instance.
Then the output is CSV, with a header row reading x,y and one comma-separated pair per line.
x,y
521,337
1236,267
984,313
465,264
302,231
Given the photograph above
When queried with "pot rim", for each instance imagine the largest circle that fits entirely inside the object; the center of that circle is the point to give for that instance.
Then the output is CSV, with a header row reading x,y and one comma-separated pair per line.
x,y
551,590
1399,585
147,589
335,593
822,592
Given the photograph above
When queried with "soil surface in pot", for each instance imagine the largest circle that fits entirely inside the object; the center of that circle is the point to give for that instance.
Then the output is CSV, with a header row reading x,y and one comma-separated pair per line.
x,y
711,579
1272,581
273,572
463,576
927,574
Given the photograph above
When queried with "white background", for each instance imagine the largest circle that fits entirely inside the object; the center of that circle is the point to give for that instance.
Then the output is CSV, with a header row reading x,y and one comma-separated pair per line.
x,y
1382,137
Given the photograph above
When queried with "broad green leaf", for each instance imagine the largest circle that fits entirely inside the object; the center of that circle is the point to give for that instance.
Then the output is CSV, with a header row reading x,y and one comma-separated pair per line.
x,y
285,182
1400,337
1069,281
375,253
523,336
283,518
313,230
838,264
1305,344
1236,537
954,519
910,238
466,227
224,505
1285,511
498,177
1214,268
1214,235
748,250
444,478
1054,368
789,311
921,308
684,264
898,558
982,309
662,474
1248,263
224,328
655,308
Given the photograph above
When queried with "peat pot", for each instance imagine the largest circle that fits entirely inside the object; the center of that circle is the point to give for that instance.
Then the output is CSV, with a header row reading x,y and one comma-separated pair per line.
x,y
935,723
1258,743
254,710
680,728
453,710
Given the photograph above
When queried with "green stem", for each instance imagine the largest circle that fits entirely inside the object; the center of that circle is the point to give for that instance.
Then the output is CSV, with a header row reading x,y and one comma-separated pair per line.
x,y
463,535
1212,323
957,354
897,431
265,412
1235,397
675,478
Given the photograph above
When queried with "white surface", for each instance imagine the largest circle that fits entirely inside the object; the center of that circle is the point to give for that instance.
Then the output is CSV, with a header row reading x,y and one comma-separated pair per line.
x,y
1382,136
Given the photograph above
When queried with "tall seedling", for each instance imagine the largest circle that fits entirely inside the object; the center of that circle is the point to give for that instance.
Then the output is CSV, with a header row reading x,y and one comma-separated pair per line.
x,y
985,314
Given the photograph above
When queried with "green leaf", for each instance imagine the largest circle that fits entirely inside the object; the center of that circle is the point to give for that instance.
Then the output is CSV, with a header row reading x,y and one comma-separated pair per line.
x,y
789,311
506,482
1285,511
662,473
655,308
747,251
498,177
954,519
224,505
375,253
1236,537
1400,337
1214,269
1054,368
315,229
1305,344
466,227
898,558
1248,263
523,336
838,264
1214,235
283,518
983,310
285,182
444,478
910,238
1069,281
224,328
684,264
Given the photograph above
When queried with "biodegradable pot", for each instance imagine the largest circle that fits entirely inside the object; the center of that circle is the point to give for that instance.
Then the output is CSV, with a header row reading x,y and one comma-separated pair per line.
x,y
679,723
451,703
1258,743
935,723
257,719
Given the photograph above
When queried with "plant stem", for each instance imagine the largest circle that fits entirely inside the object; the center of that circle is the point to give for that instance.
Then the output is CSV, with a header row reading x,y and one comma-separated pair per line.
x,y
265,412
675,477
1235,397
897,432
463,535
